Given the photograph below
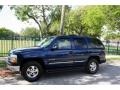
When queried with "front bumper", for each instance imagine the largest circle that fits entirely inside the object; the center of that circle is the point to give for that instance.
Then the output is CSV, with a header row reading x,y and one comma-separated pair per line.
x,y
12,67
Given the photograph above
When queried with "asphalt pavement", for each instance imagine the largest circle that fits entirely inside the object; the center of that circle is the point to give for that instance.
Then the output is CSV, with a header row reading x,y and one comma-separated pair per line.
x,y
109,73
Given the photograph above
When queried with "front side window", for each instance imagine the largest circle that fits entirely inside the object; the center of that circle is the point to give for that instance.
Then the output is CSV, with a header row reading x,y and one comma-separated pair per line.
x,y
45,42
63,44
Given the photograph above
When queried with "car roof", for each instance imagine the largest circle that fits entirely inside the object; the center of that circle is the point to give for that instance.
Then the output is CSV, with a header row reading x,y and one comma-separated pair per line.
x,y
72,36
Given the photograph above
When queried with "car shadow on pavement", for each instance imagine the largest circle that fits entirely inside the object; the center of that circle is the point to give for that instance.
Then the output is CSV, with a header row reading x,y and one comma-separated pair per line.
x,y
108,74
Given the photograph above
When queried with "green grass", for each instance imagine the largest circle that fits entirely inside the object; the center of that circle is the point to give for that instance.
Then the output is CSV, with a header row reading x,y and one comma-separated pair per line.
x,y
113,57
112,47
112,50
3,64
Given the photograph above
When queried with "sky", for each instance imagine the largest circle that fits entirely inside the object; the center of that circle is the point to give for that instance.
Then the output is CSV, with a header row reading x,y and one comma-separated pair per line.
x,y
10,21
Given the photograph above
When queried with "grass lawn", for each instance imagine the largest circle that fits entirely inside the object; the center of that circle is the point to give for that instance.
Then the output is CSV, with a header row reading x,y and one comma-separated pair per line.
x,y
113,57
112,47
3,64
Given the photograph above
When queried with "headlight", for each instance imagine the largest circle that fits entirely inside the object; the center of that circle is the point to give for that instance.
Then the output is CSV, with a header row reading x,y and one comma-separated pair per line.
x,y
13,59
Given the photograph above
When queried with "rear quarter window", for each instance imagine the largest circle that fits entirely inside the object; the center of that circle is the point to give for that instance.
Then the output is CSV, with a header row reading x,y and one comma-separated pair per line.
x,y
95,43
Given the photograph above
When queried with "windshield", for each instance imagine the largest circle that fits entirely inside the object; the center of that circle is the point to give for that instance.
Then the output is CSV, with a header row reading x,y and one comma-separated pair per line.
x,y
45,42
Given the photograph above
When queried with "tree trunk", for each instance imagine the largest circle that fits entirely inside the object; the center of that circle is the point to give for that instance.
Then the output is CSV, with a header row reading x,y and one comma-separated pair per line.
x,y
45,21
1,7
62,20
40,33
81,30
37,24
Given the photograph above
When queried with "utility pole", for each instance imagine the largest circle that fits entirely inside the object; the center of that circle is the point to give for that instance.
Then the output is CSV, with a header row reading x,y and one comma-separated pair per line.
x,y
62,20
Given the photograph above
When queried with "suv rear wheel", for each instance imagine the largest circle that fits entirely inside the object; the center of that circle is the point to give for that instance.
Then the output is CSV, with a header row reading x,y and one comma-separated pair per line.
x,y
31,71
92,66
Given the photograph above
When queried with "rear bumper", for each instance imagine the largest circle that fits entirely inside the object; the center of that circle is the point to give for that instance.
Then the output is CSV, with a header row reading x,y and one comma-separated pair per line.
x,y
102,59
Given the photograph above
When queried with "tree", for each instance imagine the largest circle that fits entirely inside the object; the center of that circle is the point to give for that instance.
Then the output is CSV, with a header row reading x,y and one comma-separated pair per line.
x,y
30,32
43,15
85,20
111,35
112,18
93,19
112,22
73,22
62,20
6,33
1,6
55,28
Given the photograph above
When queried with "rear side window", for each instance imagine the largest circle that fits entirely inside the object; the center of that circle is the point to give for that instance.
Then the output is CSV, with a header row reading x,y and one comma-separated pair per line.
x,y
79,43
95,43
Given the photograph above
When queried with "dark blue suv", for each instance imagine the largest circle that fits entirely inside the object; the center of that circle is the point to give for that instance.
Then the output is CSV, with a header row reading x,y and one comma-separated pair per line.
x,y
58,52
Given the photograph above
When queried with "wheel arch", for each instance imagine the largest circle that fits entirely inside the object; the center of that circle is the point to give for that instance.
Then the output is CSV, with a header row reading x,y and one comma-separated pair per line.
x,y
94,57
38,60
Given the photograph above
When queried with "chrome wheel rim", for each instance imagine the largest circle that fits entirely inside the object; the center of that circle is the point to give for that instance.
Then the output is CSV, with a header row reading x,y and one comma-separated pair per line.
x,y
32,71
93,66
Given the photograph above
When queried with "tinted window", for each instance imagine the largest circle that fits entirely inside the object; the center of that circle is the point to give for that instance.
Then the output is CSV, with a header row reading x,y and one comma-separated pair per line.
x,y
95,43
79,43
45,42
63,44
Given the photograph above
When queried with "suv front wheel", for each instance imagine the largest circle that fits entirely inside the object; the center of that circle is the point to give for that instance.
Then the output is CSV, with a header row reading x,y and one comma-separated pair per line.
x,y
92,66
31,71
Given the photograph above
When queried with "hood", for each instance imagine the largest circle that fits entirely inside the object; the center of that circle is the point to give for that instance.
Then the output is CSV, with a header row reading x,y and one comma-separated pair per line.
x,y
17,50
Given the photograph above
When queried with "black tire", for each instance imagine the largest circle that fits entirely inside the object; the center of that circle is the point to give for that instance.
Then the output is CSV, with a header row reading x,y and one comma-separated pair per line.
x,y
26,66
88,67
